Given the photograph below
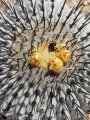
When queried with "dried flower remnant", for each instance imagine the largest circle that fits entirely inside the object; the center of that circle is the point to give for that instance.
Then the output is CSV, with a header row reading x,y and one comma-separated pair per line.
x,y
52,56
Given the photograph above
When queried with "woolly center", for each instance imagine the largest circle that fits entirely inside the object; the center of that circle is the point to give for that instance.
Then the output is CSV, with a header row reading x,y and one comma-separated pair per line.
x,y
52,56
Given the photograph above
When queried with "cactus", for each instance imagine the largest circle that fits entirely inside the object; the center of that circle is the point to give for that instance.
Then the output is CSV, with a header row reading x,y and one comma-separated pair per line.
x,y
35,93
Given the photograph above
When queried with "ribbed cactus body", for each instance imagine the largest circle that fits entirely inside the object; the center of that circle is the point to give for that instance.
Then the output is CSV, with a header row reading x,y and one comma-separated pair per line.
x,y
33,93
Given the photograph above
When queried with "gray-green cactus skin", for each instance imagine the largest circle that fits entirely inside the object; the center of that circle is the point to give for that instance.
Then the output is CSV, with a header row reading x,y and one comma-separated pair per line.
x,y
28,93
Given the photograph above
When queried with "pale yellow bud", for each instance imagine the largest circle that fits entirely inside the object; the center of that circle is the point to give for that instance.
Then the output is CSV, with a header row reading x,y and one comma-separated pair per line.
x,y
35,59
55,64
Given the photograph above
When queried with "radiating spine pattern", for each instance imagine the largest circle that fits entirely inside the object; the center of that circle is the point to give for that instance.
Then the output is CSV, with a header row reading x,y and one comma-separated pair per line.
x,y
28,93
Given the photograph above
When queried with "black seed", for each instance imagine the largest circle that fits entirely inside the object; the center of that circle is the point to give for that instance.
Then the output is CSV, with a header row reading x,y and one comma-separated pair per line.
x,y
51,47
